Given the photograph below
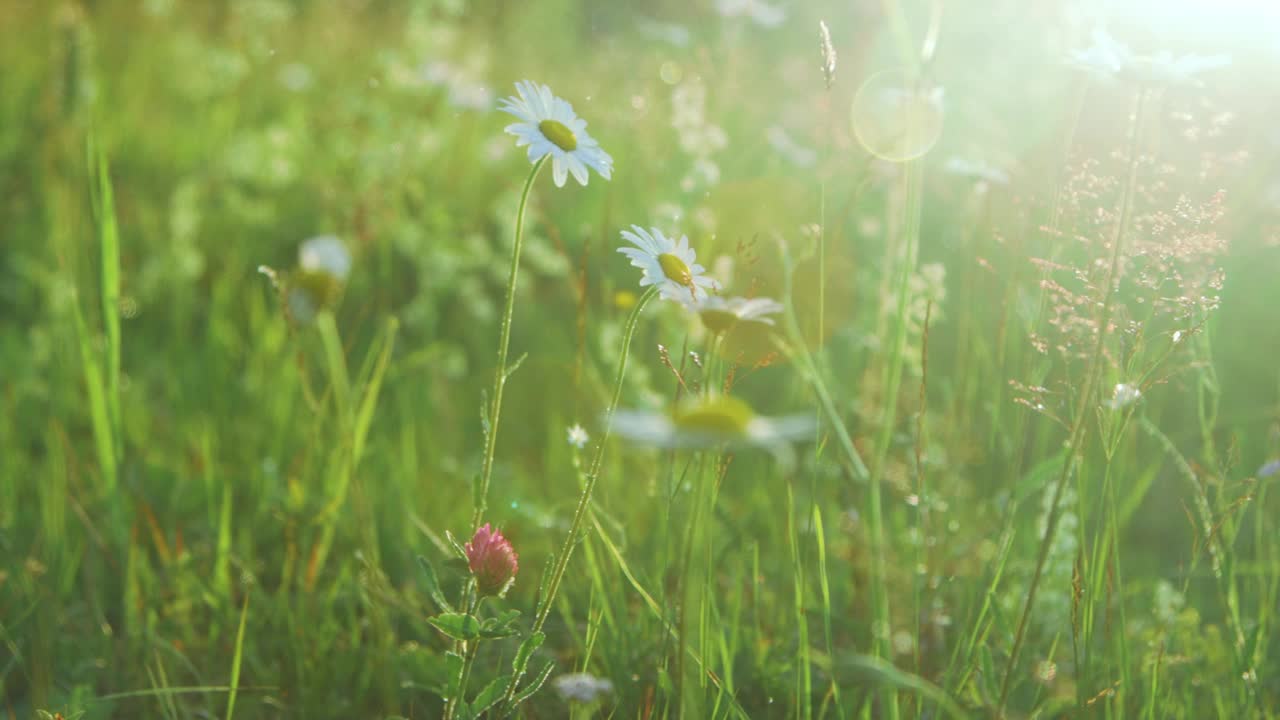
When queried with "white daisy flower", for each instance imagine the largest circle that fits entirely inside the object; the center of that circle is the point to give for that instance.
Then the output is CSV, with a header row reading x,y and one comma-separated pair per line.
x,y
326,254
719,314
550,127
667,264
1108,59
762,13
781,141
323,267
978,170
578,436
1104,58
707,422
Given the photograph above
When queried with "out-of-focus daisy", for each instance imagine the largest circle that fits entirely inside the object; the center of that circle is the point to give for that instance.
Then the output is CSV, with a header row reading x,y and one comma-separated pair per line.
x,y
549,126
463,92
582,687
977,170
780,140
323,266
1104,58
720,314
761,13
677,35
1108,59
710,421
325,253
667,264
578,436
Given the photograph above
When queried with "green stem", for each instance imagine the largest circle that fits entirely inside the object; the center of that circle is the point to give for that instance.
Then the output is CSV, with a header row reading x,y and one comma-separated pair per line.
x,y
500,372
1084,404
451,708
588,486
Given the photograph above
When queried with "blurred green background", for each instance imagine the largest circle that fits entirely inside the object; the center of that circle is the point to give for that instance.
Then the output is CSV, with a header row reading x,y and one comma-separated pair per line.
x,y
236,129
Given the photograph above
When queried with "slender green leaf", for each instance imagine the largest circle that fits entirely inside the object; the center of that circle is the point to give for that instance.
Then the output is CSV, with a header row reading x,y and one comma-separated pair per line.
x,y
433,584
236,657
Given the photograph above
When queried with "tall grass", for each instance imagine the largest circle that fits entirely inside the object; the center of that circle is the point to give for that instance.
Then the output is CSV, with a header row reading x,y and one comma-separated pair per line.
x,y
1045,396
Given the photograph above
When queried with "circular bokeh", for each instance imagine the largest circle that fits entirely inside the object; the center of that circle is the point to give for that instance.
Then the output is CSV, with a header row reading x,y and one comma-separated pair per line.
x,y
897,115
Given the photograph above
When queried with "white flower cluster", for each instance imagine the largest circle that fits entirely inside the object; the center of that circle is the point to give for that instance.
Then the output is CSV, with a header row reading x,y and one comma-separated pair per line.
x,y
582,688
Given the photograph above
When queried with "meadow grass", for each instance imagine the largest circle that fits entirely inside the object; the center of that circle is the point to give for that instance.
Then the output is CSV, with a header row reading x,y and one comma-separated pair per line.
x,y
1028,331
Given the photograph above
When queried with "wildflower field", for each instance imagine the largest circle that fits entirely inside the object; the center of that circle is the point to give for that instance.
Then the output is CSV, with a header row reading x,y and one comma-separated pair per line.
x,y
664,359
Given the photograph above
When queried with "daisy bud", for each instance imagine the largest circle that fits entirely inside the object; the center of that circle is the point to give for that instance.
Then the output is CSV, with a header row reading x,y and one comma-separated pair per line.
x,y
492,560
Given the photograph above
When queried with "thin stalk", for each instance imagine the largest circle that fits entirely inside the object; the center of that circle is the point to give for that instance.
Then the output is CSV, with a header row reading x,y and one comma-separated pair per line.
x,y
922,497
500,373
892,382
588,487
692,594
1083,406
468,661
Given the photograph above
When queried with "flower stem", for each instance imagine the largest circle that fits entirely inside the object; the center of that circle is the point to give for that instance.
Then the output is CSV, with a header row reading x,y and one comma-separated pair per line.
x,y
500,372
451,708
584,500
1084,406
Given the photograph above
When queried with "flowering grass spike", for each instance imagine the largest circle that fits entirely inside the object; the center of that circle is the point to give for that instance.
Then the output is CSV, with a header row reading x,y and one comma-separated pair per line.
x,y
549,126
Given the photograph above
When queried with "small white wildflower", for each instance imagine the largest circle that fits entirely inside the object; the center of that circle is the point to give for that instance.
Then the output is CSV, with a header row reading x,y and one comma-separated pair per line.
x,y
578,436
669,265
582,687
549,126
326,254
1169,602
1123,395
323,267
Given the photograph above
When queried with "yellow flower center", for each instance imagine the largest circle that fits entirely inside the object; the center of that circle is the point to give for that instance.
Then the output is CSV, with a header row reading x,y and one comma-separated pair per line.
x,y
675,269
718,321
560,134
321,287
722,415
